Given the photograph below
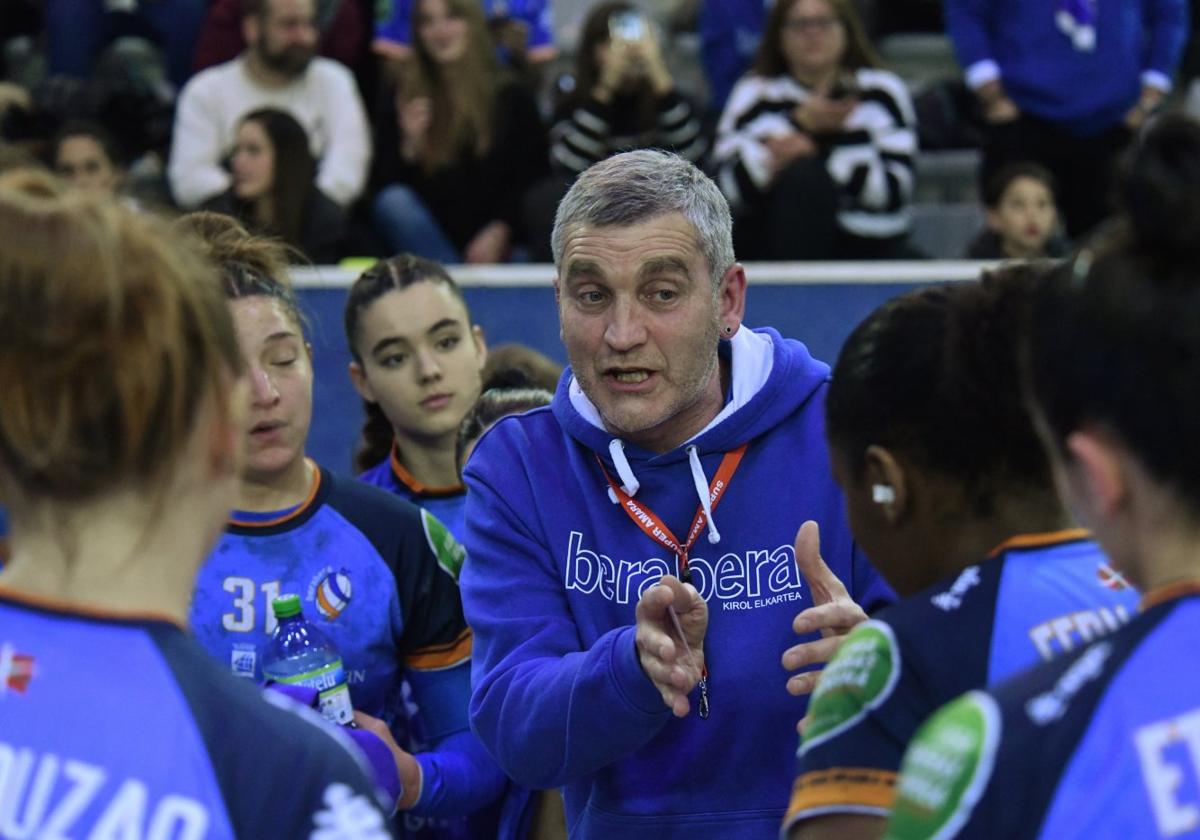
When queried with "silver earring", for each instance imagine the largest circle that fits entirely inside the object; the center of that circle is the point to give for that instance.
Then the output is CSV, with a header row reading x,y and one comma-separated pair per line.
x,y
728,330
882,494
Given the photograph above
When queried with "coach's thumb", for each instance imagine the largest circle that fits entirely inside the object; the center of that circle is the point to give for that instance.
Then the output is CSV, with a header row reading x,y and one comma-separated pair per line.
x,y
821,580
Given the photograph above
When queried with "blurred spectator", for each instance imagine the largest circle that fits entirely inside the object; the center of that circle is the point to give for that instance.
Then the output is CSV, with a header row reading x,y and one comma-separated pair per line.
x,y
341,25
87,159
273,189
461,146
1022,216
815,148
624,98
278,70
730,32
521,28
78,30
1066,84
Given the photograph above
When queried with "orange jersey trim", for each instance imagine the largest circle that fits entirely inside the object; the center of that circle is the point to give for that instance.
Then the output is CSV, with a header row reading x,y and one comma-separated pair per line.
x,y
60,605
304,505
1168,592
406,478
437,657
1039,540
852,789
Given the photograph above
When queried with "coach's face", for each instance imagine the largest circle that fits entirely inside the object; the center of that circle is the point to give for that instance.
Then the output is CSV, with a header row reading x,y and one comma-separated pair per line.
x,y
641,320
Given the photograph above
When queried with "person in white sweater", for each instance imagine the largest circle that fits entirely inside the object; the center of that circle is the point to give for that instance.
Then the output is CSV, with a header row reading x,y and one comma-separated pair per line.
x,y
279,69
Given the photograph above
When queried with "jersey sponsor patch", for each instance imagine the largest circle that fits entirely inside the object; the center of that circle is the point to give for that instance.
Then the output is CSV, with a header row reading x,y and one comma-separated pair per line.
x,y
861,676
449,552
243,660
946,769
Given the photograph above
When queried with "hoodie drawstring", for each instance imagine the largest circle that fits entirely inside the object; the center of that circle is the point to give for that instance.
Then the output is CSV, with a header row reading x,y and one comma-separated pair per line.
x,y
714,536
629,482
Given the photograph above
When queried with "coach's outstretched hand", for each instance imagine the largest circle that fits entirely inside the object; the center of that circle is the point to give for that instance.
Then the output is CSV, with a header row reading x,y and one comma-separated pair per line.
x,y
834,612
663,656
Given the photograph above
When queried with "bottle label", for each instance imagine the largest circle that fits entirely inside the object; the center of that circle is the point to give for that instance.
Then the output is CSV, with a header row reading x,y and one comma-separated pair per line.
x,y
333,694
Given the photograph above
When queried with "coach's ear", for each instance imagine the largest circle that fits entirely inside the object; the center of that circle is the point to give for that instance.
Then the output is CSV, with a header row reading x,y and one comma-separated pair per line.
x,y
731,299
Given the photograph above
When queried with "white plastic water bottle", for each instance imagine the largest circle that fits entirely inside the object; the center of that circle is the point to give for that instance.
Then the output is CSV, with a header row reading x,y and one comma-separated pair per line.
x,y
300,654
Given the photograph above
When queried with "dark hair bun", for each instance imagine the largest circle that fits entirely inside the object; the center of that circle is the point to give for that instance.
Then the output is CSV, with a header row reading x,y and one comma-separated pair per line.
x,y
1160,192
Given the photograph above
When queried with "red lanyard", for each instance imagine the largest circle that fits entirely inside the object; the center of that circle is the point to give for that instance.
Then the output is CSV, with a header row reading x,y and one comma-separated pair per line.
x,y
657,530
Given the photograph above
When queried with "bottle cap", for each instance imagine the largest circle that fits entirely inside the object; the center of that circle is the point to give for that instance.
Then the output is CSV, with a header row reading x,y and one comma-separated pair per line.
x,y
286,606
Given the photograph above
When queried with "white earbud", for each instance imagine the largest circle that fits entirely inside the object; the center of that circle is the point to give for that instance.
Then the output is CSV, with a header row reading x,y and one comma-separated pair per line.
x,y
882,494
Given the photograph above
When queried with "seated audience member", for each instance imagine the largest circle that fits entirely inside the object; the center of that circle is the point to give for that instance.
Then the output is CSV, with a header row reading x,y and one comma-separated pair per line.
x,y
120,444
957,508
1022,216
85,156
274,190
624,98
417,359
298,528
341,33
515,365
709,437
815,148
277,70
1101,743
461,147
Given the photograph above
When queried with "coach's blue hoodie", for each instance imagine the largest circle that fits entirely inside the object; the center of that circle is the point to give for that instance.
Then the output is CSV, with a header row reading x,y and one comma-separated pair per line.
x,y
555,569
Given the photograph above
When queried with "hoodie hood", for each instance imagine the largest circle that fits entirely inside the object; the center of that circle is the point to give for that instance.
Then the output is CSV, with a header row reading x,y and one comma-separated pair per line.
x,y
772,377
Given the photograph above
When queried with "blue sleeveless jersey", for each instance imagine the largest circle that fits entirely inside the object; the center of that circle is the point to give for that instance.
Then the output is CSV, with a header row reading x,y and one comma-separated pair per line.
x,y
1104,743
123,727
1035,597
448,504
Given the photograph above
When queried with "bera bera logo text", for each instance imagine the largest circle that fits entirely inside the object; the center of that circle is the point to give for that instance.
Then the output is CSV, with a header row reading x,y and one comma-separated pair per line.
x,y
756,578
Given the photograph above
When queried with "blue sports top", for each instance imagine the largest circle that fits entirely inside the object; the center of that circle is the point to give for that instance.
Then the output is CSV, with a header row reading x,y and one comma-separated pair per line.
x,y
1103,743
122,726
1036,596
447,504
378,577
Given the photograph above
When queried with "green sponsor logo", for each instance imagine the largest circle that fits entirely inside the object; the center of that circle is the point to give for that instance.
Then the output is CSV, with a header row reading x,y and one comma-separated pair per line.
x,y
449,552
860,677
945,769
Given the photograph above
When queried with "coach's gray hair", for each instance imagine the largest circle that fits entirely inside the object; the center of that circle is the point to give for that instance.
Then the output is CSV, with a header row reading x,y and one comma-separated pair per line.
x,y
635,186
